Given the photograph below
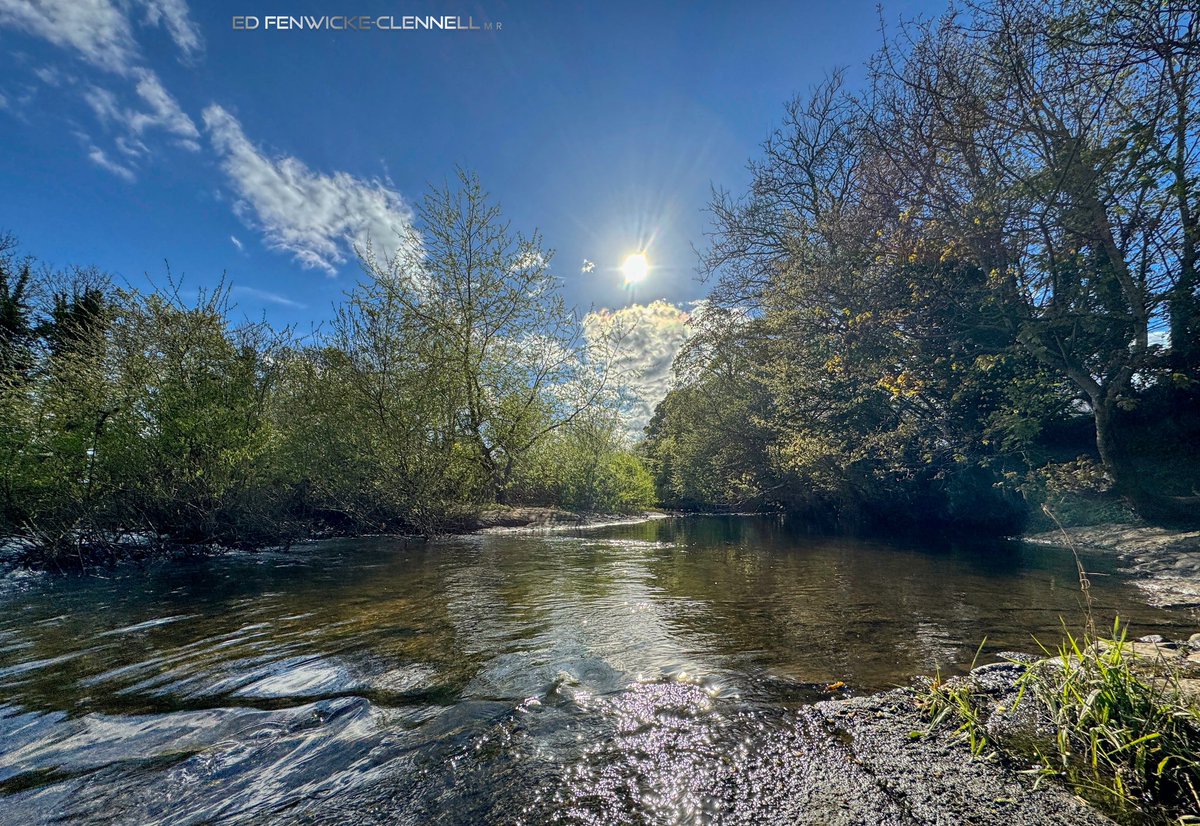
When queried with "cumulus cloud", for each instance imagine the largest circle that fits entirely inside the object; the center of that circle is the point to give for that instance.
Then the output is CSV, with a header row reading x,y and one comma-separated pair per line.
x,y
650,337
101,31
318,219
97,156
531,260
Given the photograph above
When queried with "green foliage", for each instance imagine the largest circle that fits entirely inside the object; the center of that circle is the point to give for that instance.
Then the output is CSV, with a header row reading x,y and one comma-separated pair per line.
x,y
955,702
1126,736
586,466
931,283
452,378
1121,729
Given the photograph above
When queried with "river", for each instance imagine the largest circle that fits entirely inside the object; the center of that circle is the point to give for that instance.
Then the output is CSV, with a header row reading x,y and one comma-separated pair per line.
x,y
605,675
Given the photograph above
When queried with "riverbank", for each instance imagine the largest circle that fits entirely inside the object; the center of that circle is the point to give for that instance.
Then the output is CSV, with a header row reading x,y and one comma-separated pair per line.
x,y
537,519
868,760
1165,563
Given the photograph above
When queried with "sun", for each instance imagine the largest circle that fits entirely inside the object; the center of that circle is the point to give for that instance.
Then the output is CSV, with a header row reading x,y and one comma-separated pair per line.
x,y
636,268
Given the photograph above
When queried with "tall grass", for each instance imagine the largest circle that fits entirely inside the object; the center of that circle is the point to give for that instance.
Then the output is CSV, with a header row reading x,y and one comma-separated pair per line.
x,y
1126,735
1120,727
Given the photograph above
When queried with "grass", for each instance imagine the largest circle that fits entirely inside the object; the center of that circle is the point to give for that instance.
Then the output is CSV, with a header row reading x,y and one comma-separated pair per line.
x,y
953,700
1118,729
1126,737
1118,726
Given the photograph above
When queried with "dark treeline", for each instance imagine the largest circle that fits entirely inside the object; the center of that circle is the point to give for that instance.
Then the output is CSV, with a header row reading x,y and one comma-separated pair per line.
x,y
453,378
967,288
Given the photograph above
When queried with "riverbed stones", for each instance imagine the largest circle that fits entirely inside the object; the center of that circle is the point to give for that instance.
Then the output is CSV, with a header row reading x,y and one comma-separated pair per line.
x,y
996,678
931,780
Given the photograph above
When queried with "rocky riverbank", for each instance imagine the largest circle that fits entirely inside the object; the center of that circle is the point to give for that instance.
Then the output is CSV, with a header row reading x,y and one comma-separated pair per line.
x,y
1015,727
868,760
1165,563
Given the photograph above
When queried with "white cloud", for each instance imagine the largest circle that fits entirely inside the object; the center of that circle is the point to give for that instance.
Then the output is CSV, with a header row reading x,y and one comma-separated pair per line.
x,y
530,260
588,266
161,112
173,15
3,101
101,31
269,297
237,243
132,147
318,219
52,76
164,112
96,155
650,337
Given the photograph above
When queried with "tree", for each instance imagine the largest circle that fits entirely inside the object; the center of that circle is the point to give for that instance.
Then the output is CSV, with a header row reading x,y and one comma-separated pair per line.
x,y
487,316
982,240
1032,136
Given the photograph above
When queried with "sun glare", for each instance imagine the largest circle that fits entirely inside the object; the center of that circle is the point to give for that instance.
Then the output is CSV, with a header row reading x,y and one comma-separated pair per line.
x,y
636,268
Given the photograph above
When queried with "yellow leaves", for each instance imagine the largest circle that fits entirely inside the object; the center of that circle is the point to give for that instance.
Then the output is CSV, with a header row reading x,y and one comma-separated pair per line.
x,y
834,364
904,385
951,251
986,362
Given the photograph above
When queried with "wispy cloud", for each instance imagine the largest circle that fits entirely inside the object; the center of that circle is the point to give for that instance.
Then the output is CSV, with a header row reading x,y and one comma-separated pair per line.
x,y
97,156
52,76
316,218
236,242
101,31
102,34
173,16
269,297
650,337
588,266
160,112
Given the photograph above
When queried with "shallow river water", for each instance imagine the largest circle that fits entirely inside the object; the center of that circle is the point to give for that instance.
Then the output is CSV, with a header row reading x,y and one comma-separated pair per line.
x,y
596,676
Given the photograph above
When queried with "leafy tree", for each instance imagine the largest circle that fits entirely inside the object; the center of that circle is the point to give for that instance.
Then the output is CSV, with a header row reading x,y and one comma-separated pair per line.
x,y
492,322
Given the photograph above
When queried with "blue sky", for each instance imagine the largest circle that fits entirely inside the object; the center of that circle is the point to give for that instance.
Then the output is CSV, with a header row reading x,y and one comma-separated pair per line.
x,y
134,132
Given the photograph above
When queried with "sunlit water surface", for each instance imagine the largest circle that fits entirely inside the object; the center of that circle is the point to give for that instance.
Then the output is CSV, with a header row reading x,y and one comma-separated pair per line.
x,y
593,676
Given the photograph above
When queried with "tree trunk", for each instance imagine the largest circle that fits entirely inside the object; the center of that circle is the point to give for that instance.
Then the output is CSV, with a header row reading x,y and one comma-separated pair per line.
x,y
1107,444
1149,504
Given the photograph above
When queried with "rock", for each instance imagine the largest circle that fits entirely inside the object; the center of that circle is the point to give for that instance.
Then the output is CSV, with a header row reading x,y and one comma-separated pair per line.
x,y
1189,689
1152,638
1194,642
1025,727
1022,657
996,678
1144,650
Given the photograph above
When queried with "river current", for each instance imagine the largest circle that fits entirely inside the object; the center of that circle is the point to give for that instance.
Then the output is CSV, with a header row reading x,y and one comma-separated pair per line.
x,y
605,675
